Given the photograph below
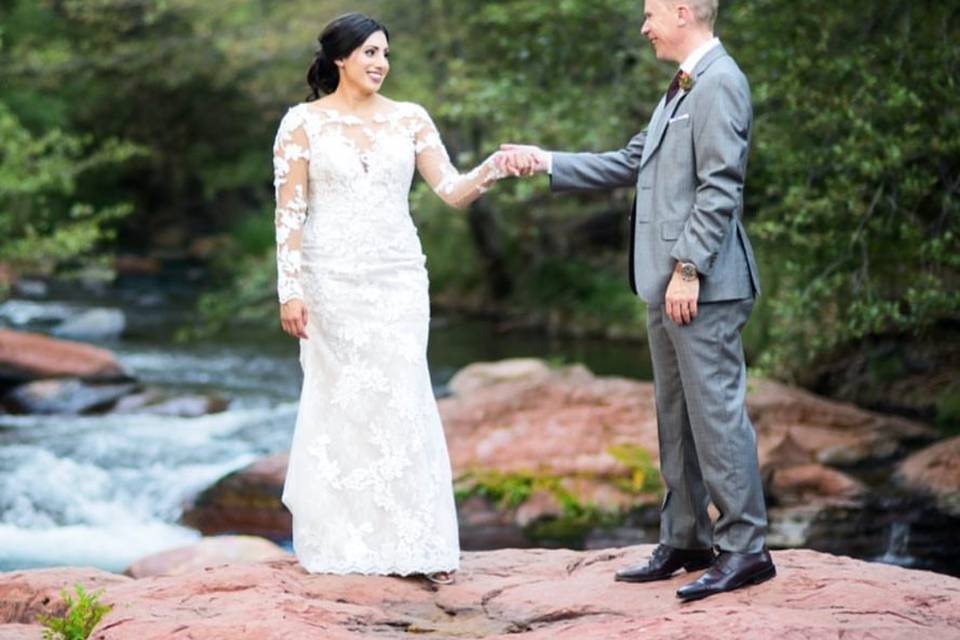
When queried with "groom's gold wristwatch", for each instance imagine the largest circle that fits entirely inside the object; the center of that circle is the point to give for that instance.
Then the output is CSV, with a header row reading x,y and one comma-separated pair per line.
x,y
688,271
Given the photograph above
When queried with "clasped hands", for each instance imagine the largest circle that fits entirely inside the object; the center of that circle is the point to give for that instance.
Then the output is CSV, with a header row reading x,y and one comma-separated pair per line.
x,y
520,160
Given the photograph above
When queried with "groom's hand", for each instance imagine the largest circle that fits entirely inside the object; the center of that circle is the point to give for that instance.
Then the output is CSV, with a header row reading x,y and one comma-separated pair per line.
x,y
682,296
524,159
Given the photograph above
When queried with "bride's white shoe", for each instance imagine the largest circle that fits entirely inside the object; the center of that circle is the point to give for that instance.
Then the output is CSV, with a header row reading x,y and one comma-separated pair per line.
x,y
440,577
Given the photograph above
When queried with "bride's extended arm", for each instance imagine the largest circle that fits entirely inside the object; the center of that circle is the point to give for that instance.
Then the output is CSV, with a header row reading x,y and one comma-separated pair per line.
x,y
291,154
456,189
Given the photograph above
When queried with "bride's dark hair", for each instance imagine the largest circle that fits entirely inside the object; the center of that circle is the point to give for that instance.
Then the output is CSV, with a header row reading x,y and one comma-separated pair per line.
x,y
338,40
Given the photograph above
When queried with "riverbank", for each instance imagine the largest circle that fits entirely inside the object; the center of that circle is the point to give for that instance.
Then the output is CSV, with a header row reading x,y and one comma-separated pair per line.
x,y
534,594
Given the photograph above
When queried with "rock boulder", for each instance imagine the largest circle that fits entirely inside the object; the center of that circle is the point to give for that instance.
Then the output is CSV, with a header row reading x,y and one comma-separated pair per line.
x,y
245,501
935,471
29,356
212,551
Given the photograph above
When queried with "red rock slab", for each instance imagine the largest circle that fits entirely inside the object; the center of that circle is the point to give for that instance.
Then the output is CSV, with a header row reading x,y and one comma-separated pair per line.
x,y
542,594
25,594
31,356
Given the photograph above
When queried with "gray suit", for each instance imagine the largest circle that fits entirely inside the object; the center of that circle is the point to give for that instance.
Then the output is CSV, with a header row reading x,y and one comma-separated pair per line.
x,y
688,168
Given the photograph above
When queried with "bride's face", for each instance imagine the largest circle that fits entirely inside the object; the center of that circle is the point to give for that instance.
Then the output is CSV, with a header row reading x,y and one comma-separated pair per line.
x,y
367,67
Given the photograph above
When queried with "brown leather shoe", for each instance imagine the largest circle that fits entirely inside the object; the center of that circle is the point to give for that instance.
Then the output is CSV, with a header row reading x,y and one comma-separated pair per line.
x,y
664,562
730,571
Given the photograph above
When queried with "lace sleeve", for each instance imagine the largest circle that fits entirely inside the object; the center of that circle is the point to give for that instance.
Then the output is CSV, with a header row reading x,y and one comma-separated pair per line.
x,y
456,189
291,154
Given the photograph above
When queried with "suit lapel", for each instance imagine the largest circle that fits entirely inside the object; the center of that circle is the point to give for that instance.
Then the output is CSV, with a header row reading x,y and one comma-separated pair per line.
x,y
658,123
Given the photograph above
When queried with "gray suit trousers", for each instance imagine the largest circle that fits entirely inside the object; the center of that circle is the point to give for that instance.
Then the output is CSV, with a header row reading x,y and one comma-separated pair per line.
x,y
708,449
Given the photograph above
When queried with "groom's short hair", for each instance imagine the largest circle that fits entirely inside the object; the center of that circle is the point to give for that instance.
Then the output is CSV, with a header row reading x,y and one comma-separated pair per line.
x,y
705,11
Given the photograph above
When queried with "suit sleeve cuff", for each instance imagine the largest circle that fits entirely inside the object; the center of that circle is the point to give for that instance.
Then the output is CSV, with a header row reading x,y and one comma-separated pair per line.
x,y
682,251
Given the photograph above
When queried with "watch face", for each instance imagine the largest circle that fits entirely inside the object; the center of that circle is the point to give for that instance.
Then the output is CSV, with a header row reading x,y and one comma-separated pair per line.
x,y
688,271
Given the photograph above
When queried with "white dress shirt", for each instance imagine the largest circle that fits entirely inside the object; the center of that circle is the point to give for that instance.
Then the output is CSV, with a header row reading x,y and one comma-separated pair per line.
x,y
697,55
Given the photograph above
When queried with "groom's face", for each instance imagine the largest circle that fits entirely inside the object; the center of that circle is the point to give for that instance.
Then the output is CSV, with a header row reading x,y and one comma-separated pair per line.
x,y
662,27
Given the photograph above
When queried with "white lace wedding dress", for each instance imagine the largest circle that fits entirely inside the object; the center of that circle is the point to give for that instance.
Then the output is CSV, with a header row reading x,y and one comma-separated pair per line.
x,y
369,481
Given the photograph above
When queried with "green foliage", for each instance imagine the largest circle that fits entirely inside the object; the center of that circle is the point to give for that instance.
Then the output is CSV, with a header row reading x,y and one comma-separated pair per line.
x,y
856,168
577,518
644,475
852,197
509,490
82,615
248,300
39,219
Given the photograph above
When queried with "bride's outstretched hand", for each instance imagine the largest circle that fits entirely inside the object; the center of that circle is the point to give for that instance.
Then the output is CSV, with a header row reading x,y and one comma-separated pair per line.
x,y
293,318
511,163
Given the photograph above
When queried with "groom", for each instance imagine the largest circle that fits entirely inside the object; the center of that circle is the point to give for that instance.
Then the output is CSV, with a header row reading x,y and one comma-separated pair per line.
x,y
691,262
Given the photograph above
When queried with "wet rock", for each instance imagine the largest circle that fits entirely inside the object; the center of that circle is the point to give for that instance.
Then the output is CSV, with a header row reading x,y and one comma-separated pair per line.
x,y
30,288
208,552
95,324
157,402
935,471
29,356
245,501
541,594
67,396
27,313
802,484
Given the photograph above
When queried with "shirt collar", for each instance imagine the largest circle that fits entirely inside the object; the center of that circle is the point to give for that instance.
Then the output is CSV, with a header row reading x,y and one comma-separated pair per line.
x,y
697,55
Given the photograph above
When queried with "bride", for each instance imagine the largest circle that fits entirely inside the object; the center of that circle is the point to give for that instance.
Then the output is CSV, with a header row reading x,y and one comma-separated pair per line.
x,y
369,481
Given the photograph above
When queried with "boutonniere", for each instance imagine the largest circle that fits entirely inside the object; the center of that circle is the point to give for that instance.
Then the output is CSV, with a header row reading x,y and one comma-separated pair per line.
x,y
686,81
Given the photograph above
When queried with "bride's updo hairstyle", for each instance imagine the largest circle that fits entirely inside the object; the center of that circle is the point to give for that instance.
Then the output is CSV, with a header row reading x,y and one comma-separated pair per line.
x,y
339,39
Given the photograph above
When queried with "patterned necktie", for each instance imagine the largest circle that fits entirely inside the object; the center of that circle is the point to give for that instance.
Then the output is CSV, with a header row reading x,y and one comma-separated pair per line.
x,y
674,86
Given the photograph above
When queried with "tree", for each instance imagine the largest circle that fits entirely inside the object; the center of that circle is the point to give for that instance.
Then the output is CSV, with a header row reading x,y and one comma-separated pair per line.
x,y
40,221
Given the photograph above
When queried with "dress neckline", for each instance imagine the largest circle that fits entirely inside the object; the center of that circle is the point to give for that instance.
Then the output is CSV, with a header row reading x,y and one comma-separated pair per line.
x,y
377,117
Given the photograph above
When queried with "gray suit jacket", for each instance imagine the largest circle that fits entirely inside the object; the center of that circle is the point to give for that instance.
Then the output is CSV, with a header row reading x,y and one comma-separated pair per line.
x,y
688,167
